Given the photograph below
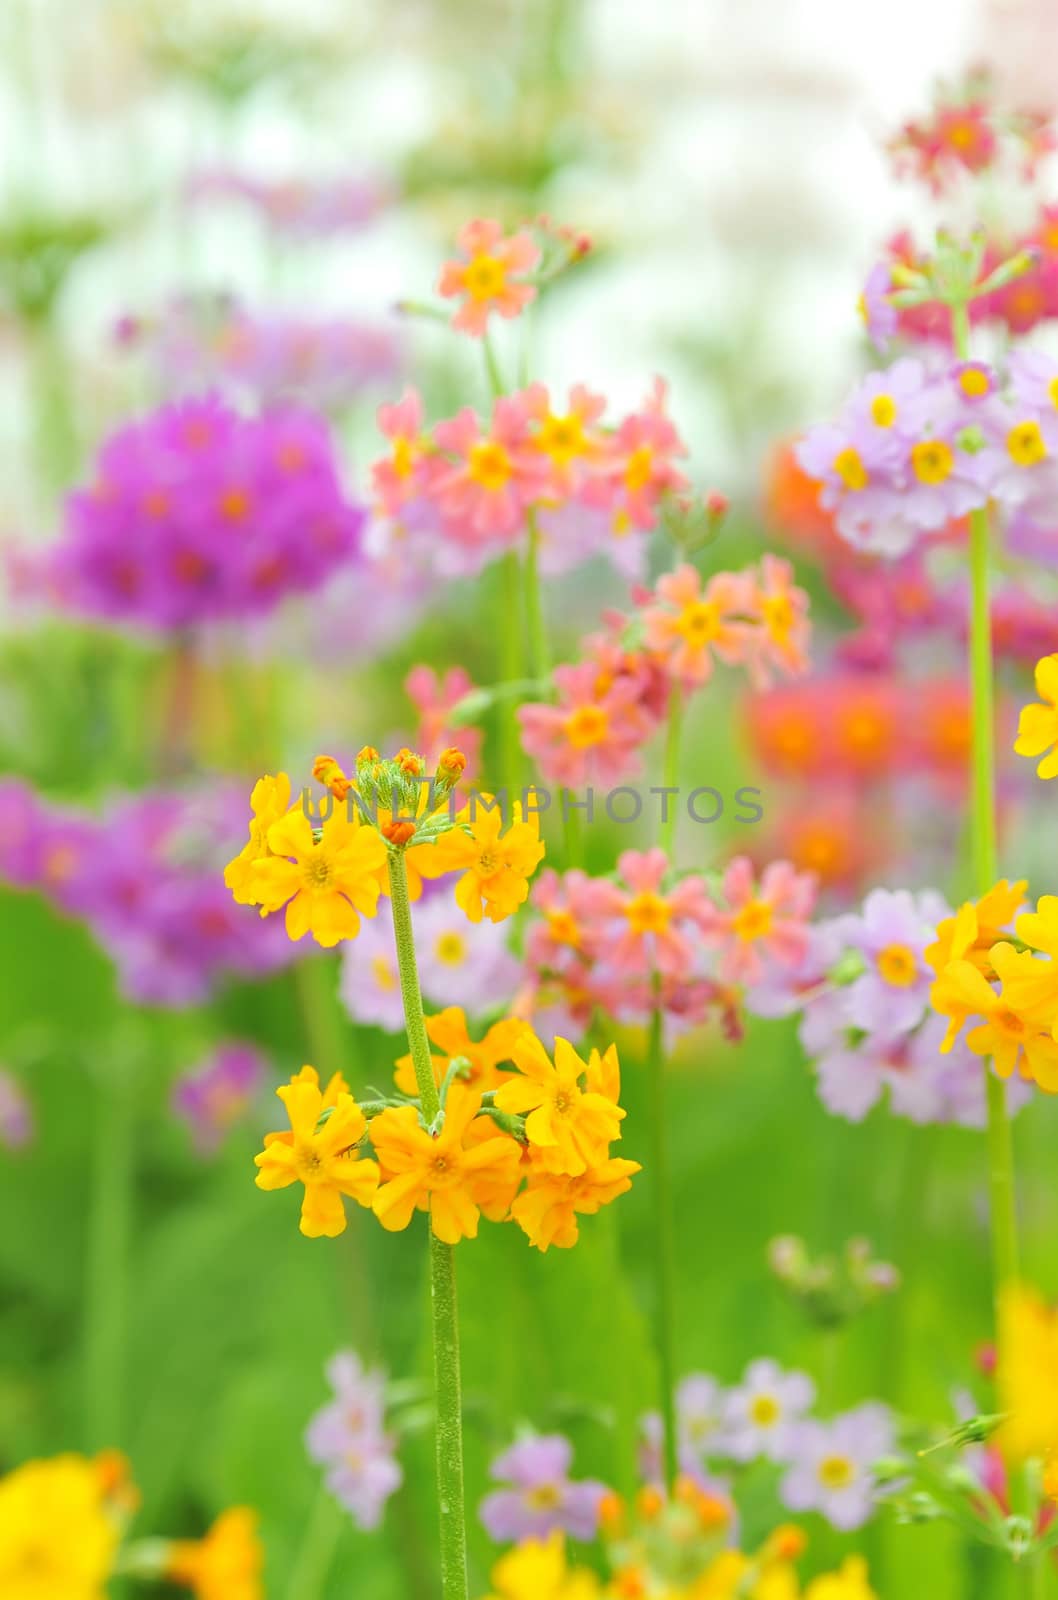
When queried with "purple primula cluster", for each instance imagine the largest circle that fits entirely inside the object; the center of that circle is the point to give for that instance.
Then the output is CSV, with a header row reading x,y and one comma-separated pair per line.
x,y
145,876
922,442
460,963
826,1465
866,1025
348,1438
538,1496
200,514
212,1097
212,342
297,207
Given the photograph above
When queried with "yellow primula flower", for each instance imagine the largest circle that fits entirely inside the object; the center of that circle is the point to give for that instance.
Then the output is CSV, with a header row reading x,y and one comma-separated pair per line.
x,y
58,1537
269,802
1027,1375
467,1167
537,1570
323,1156
1012,1040
548,1207
322,882
496,865
226,1565
1038,724
570,1126
970,934
848,1583
448,1031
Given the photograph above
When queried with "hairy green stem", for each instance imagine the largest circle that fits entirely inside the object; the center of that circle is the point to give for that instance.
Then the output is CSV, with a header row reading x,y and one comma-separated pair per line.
x,y
664,1250
442,1268
109,1230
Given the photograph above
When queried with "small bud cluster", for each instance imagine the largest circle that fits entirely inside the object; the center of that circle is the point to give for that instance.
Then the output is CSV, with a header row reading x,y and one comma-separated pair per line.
x,y
831,1291
396,794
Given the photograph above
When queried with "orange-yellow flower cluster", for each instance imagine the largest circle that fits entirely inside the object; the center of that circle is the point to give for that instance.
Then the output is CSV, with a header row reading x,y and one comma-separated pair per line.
x,y
329,870
1038,724
1027,1376
529,1141
1001,984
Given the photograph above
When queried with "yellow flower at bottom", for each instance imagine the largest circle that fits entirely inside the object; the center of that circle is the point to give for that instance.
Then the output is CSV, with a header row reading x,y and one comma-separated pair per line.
x,y
548,1208
323,882
226,1564
848,1583
323,1156
537,1570
496,866
1038,724
1027,1375
57,1540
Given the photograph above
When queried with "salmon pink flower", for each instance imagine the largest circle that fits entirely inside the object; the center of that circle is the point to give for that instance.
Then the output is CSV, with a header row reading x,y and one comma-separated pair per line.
x,y
397,479
654,923
489,274
785,629
484,491
571,441
640,463
434,695
763,920
687,625
587,737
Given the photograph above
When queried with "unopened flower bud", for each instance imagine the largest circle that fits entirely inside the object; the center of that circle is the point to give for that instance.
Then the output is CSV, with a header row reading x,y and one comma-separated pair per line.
x,y
327,771
410,763
399,831
451,766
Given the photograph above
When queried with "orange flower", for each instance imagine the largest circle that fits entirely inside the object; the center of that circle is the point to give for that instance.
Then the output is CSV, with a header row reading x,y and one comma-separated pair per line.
x,y
324,881
226,1565
490,277
496,865
570,1127
453,1173
448,1031
548,1208
324,1156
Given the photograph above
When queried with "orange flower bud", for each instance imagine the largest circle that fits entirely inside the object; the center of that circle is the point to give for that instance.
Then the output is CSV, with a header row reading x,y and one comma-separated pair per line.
x,y
611,1512
327,771
650,1502
451,765
399,831
787,1543
368,753
410,763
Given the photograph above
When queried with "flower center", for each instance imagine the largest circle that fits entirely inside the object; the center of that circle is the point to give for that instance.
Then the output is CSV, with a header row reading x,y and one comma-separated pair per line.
x,y
883,410
586,726
488,863
490,466
563,927
699,622
1052,390
1009,1022
648,913
543,1497
403,457
974,382
563,1102
234,505
765,1410
308,1163
1025,444
850,468
639,468
778,615
562,438
485,277
451,948
316,870
383,974
753,920
897,965
836,1472
932,461
155,503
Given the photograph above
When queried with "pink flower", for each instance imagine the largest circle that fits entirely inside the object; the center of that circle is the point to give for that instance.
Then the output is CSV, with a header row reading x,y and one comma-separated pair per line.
x,y
652,935
785,628
687,625
571,441
573,906
489,276
433,697
397,479
639,467
483,494
588,737
765,919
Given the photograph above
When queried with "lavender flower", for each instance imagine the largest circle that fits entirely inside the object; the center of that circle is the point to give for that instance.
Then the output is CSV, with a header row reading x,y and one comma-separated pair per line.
x,y
761,1415
369,984
16,1114
830,1468
214,1096
892,932
542,1498
298,207
347,1437
879,315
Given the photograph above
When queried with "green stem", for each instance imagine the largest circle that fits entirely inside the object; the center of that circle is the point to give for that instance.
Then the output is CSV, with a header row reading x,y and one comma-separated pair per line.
x,y
442,1268
539,654
107,1259
664,1250
985,856
512,669
315,1555
670,779
314,986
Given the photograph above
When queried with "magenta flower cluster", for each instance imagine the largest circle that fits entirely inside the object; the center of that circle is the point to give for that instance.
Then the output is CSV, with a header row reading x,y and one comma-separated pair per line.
x,y
197,513
217,1093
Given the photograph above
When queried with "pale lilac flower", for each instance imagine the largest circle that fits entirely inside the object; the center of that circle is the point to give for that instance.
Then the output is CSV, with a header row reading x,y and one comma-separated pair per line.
x,y
542,1498
830,1465
462,963
783,991
762,1413
369,985
879,314
214,1096
16,1114
348,1437
1018,463
892,932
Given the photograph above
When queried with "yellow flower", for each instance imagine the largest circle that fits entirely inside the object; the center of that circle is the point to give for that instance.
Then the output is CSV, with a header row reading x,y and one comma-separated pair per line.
x,y
496,866
537,1570
324,1157
1038,724
848,1583
548,1208
970,934
226,1565
1027,1375
455,1174
570,1126
269,802
57,1540
448,1031
322,882
1011,1039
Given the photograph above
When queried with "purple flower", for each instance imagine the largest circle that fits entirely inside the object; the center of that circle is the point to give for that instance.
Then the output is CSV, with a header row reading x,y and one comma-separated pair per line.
x,y
879,314
198,514
348,1437
298,207
892,932
700,1402
16,1114
369,985
830,1465
214,1096
462,963
761,1415
541,1498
